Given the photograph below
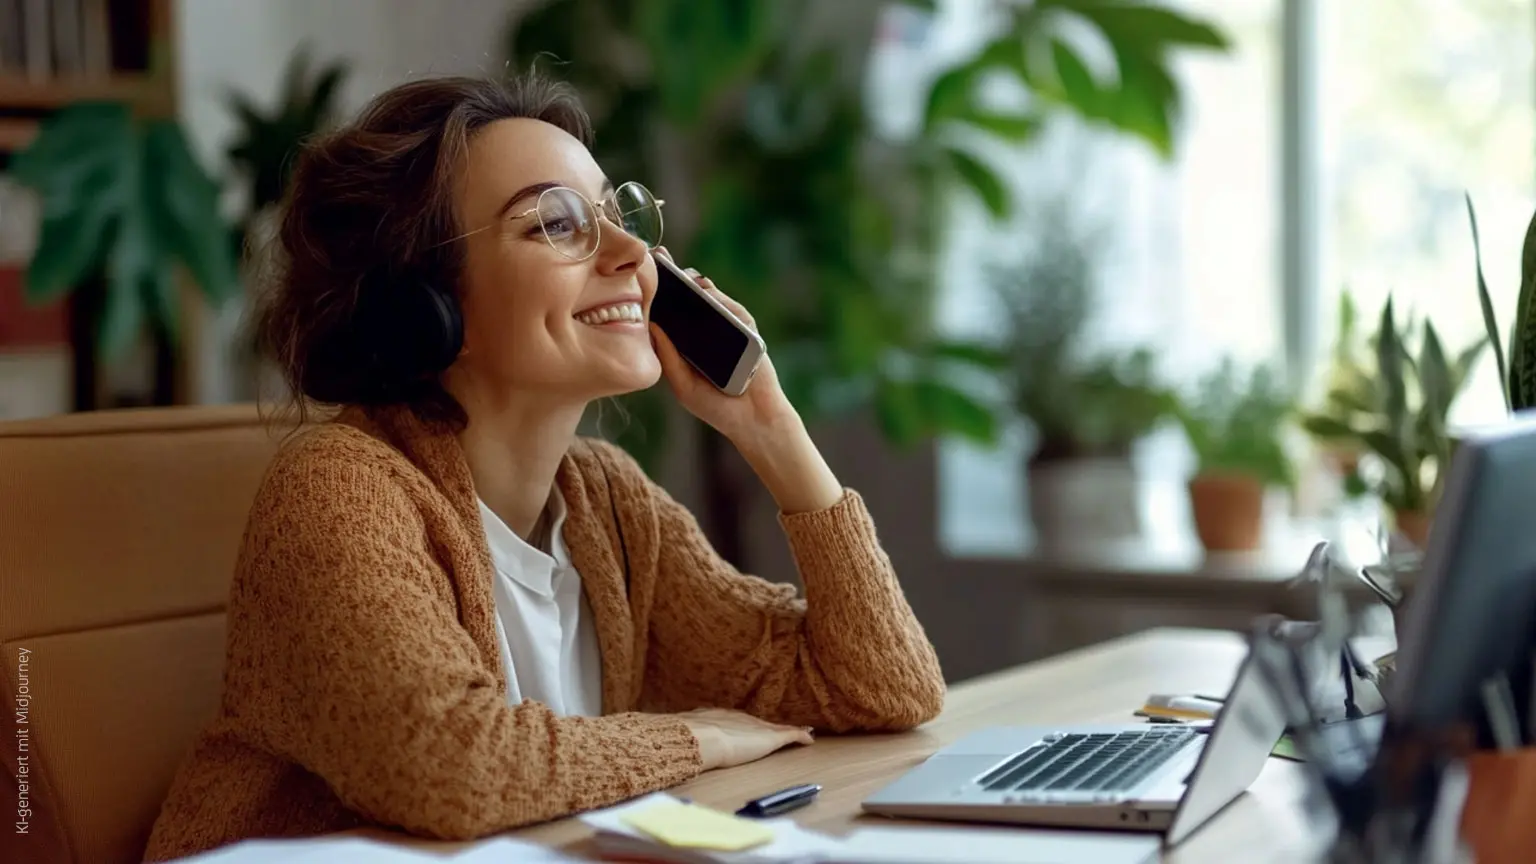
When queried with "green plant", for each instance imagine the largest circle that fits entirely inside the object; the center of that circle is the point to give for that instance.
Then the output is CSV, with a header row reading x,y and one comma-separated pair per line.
x,y
1349,367
1101,408
1349,374
751,121
1517,380
1399,410
124,202
1236,424
1080,406
729,99
1040,46
267,140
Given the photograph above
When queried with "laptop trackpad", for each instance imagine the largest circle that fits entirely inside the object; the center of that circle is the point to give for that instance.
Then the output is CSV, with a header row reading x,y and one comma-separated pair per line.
x,y
941,776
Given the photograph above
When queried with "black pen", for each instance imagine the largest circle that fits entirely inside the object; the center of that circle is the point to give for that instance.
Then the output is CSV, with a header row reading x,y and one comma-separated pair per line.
x,y
780,802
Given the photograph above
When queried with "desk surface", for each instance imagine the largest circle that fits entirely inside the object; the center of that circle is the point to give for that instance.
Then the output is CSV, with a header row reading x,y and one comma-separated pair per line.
x,y
1103,683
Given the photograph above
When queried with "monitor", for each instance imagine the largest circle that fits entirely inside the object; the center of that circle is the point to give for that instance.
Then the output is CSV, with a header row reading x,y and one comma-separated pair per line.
x,y
1472,613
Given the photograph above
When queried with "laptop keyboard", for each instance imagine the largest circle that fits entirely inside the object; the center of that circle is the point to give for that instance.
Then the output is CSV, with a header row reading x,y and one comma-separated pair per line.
x,y
1100,762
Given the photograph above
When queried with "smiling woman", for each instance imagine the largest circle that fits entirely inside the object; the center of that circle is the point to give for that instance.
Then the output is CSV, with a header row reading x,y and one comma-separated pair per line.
x,y
450,613
523,306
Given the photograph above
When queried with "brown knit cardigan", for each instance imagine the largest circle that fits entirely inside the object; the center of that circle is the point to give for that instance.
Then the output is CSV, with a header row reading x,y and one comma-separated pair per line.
x,y
363,684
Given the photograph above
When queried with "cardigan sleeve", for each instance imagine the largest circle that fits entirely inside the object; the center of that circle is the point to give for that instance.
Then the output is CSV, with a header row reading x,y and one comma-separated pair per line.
x,y
363,675
850,655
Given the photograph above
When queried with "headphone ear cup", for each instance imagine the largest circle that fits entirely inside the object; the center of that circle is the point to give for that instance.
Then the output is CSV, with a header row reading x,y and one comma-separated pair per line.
x,y
445,323
409,331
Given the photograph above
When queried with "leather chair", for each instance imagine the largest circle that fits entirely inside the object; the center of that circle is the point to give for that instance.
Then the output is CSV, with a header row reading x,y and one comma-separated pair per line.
x,y
118,536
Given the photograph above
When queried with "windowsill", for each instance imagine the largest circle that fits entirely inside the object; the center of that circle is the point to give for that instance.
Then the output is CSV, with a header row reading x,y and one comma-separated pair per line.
x,y
986,529
1167,557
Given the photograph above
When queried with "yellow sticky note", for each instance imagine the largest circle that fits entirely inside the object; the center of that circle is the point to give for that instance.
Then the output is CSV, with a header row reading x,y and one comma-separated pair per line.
x,y
695,827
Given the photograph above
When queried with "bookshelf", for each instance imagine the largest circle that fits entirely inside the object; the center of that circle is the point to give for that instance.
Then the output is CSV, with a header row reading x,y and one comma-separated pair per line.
x,y
20,93
54,53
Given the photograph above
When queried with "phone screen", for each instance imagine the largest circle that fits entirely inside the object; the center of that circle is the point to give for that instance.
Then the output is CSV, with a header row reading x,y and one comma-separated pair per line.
x,y
700,333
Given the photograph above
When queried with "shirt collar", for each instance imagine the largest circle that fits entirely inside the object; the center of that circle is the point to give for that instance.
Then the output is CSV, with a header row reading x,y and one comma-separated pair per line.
x,y
515,558
557,514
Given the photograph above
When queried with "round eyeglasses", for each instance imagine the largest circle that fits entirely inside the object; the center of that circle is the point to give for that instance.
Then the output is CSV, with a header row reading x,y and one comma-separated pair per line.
x,y
570,220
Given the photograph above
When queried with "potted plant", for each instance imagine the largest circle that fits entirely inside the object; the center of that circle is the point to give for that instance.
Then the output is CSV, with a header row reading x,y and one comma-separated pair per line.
x,y
1236,425
125,204
1087,409
1399,414
1082,480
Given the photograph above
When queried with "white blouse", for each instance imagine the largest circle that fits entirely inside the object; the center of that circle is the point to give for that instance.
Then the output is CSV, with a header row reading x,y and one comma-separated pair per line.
x,y
544,626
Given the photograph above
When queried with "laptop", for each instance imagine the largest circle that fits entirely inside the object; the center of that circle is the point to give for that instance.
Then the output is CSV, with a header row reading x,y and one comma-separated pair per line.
x,y
1170,778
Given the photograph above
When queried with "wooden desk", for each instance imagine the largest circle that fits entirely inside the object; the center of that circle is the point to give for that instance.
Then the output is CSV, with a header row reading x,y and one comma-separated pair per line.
x,y
1099,684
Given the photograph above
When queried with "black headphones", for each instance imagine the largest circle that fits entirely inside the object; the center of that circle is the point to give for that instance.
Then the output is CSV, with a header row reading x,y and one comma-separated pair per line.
x,y
416,329
404,333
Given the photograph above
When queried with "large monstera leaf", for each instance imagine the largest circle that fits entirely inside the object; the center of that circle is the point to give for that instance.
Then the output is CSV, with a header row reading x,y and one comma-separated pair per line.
x,y
123,198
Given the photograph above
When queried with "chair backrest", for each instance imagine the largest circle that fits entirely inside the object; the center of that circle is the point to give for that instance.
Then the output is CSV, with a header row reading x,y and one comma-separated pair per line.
x,y
118,535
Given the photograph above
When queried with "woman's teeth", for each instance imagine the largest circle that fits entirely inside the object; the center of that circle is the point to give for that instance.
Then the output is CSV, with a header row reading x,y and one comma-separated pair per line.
x,y
617,312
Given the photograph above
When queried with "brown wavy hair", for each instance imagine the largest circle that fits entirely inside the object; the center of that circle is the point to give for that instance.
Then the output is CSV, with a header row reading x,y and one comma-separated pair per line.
x,y
372,202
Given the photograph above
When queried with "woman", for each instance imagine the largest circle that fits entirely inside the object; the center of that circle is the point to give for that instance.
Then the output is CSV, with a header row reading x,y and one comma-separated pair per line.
x,y
451,614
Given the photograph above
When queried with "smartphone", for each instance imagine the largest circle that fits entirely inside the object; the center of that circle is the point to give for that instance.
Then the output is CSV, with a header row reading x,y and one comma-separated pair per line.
x,y
715,342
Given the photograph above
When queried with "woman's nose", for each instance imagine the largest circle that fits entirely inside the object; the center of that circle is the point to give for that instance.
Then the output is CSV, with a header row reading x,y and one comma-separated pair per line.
x,y
620,251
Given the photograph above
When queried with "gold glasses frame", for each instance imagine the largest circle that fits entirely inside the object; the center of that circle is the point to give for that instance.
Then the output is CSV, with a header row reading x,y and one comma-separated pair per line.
x,y
601,208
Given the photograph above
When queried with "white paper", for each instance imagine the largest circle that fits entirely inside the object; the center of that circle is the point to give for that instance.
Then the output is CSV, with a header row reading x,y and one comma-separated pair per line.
x,y
357,850
975,845
790,841
505,850
307,850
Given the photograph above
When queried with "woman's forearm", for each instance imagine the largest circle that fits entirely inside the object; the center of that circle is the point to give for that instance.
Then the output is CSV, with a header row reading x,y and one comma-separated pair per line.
x,y
789,464
869,647
848,655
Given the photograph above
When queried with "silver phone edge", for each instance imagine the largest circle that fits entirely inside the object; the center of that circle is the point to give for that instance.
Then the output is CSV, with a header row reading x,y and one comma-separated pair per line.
x,y
746,364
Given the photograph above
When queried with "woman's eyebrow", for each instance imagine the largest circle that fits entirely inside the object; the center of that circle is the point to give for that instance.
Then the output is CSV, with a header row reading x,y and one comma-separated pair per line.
x,y
539,189
531,189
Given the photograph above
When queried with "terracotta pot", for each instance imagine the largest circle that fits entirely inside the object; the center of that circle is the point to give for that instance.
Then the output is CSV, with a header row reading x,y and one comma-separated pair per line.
x,y
1413,524
1495,818
1228,510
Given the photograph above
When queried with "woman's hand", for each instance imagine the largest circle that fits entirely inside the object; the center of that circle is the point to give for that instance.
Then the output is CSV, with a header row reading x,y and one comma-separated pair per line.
x,y
761,422
762,405
728,738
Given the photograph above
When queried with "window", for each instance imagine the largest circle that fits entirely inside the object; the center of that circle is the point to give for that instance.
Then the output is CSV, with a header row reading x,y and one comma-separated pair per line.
x,y
1192,267
1425,100
1225,203
1415,101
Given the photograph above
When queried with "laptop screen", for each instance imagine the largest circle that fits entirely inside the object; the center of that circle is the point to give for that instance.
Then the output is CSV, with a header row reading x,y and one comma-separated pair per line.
x,y
1246,730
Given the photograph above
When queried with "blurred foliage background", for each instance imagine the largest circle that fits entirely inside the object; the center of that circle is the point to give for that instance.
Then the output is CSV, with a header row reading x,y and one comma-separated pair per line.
x,y
752,122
